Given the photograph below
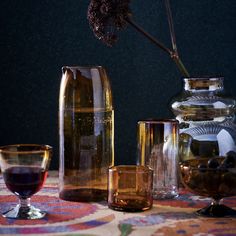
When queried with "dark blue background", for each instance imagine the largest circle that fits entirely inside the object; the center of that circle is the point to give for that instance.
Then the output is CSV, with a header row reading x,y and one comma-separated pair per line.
x,y
38,37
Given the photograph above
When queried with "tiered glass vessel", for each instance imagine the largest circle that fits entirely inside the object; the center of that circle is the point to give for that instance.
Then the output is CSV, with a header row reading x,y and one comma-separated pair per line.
x,y
207,147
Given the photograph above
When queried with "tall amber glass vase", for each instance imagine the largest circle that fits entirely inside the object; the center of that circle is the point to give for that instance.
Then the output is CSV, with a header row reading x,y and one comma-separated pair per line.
x,y
86,132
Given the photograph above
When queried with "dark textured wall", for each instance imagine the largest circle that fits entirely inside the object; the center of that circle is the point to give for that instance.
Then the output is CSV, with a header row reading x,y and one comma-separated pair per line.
x,y
38,37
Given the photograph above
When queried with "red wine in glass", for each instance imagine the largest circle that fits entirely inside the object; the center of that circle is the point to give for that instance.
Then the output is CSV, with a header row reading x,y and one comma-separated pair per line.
x,y
24,181
24,168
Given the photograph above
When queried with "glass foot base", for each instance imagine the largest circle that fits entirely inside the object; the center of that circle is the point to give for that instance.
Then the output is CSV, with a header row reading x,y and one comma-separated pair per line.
x,y
217,210
24,213
163,194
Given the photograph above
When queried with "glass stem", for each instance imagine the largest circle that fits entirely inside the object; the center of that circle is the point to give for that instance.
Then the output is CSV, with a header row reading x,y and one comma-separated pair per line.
x,y
24,203
215,202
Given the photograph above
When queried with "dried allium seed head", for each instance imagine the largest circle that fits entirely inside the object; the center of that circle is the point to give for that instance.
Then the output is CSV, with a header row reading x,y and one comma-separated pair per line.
x,y
106,17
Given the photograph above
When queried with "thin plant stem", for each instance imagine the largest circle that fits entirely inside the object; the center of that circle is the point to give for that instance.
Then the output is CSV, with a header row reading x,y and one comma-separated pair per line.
x,y
150,37
180,65
175,54
171,53
171,27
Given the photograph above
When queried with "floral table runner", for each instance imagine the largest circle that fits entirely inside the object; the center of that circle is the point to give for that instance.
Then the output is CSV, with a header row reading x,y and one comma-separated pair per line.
x,y
167,217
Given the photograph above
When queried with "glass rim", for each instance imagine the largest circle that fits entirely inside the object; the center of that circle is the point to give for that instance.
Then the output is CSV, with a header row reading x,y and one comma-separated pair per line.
x,y
44,147
212,78
83,67
133,169
158,121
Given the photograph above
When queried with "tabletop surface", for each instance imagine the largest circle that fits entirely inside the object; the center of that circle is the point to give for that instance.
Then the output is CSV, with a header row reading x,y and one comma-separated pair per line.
x,y
167,217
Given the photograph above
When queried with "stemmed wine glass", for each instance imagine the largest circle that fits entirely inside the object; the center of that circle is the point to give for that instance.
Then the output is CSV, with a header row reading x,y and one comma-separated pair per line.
x,y
206,173
24,168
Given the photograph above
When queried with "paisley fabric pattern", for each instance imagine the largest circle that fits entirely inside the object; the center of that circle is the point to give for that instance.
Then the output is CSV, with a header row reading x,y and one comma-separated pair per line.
x,y
167,217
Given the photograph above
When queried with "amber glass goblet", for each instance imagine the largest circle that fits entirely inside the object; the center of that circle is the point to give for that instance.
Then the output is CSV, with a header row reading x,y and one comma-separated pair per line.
x,y
213,177
24,168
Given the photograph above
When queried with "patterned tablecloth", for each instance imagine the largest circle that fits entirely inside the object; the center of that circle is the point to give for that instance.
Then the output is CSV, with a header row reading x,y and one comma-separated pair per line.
x,y
172,217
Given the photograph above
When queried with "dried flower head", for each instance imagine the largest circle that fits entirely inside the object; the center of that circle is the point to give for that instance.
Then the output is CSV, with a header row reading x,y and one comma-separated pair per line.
x,y
106,17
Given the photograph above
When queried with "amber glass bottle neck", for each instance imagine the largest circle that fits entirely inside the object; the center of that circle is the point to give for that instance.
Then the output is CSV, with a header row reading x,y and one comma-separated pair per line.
x,y
204,84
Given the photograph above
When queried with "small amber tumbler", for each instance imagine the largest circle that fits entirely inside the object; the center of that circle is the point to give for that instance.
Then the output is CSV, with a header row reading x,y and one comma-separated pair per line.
x,y
130,188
